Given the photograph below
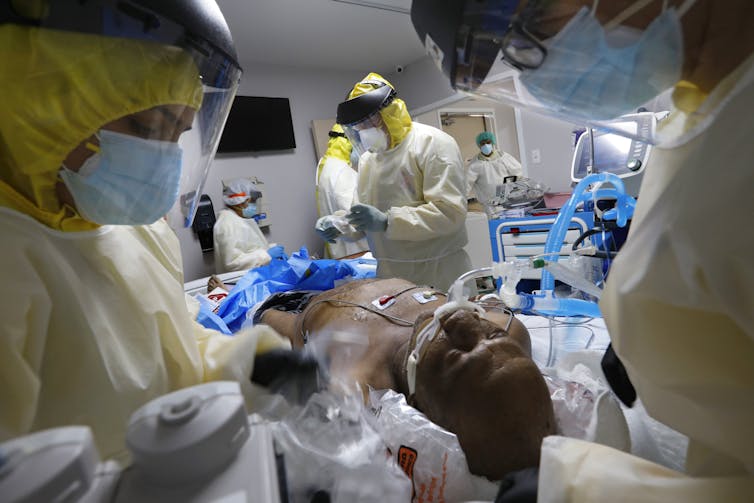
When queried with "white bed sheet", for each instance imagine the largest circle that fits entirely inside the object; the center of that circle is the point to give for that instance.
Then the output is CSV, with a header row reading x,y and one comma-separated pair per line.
x,y
563,343
567,335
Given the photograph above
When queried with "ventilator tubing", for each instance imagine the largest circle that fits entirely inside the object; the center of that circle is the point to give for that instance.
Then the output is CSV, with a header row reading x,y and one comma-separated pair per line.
x,y
544,301
623,210
569,277
458,298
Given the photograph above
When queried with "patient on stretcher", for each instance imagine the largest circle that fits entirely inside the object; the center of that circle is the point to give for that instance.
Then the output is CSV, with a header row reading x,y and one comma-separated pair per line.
x,y
475,377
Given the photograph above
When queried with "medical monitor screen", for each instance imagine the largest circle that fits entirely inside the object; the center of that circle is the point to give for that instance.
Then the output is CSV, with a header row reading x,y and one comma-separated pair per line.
x,y
257,124
613,153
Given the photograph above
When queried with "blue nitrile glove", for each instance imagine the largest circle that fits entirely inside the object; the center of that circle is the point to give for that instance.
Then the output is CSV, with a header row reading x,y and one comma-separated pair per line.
x,y
329,234
277,252
367,218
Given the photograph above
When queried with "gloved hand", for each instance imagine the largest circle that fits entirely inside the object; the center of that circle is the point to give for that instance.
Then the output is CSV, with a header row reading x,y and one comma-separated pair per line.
x,y
292,373
326,229
617,377
367,218
519,487
278,252
328,234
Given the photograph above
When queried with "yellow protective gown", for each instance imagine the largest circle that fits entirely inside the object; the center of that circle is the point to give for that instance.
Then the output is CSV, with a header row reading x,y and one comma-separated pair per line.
x,y
336,182
420,185
95,321
95,324
59,88
486,173
679,305
239,243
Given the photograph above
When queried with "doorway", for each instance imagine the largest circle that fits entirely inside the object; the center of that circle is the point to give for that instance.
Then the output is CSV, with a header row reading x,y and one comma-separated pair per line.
x,y
464,126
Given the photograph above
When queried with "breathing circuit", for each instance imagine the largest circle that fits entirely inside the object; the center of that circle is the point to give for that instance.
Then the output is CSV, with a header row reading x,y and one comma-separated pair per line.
x,y
544,301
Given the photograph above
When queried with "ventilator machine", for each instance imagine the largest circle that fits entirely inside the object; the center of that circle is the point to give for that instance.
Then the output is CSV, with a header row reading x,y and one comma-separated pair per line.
x,y
607,169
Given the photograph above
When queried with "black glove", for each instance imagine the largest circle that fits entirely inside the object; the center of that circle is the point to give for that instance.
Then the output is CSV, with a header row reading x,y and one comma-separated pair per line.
x,y
617,377
295,374
519,486
320,496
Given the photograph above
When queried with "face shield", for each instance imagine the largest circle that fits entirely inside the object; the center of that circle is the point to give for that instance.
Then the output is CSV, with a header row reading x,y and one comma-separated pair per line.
x,y
181,94
199,145
362,122
369,135
561,58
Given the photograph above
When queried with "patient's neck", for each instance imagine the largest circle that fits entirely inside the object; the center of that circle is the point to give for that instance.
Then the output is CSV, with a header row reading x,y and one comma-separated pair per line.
x,y
398,369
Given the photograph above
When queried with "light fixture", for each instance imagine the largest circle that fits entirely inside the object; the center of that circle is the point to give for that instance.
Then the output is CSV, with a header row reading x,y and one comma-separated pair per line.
x,y
401,6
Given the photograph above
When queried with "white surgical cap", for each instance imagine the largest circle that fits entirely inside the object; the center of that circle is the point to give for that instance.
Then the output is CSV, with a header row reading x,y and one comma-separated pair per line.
x,y
239,191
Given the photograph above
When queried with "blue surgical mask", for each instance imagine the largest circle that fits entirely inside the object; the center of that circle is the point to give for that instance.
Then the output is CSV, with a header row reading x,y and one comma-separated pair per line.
x,y
249,211
130,181
583,74
486,148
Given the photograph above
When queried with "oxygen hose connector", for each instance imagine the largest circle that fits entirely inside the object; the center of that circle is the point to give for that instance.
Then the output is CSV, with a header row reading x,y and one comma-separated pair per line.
x,y
543,302
510,274
567,275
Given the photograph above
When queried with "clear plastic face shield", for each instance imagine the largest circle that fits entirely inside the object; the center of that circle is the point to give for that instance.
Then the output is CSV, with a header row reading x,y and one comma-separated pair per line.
x,y
369,135
199,145
362,122
197,134
582,61
177,140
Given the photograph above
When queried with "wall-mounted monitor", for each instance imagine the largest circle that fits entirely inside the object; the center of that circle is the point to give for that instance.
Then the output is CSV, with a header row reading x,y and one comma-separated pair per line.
x,y
257,124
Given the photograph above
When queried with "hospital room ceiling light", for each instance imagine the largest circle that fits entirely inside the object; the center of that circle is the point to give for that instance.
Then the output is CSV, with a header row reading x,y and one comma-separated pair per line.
x,y
401,6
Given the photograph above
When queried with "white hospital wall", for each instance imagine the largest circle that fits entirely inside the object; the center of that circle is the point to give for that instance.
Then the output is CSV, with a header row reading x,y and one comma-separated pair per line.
x,y
547,146
288,176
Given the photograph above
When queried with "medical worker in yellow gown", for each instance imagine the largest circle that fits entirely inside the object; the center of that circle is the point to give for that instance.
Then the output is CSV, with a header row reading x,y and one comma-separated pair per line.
x,y
335,183
411,193
95,147
679,300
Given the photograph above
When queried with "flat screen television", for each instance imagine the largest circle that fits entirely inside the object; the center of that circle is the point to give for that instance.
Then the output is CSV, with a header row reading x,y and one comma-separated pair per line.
x,y
258,123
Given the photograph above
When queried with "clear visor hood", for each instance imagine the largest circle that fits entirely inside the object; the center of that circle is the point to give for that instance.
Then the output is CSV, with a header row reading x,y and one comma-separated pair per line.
x,y
165,72
368,133
564,60
199,145
503,83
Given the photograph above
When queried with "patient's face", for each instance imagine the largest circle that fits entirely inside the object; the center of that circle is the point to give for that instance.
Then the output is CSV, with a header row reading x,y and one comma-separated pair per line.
x,y
478,382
